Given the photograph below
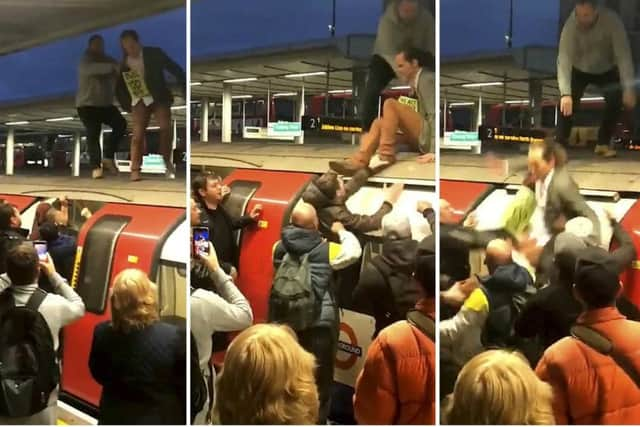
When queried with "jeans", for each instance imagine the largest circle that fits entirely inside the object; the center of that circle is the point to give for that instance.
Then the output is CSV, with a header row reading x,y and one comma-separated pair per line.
x,y
609,83
92,118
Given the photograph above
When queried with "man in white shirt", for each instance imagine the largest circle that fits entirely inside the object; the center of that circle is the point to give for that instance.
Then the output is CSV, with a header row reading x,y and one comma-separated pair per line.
x,y
594,50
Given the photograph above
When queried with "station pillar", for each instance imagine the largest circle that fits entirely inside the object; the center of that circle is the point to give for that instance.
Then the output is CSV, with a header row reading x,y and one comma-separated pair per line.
x,y
301,108
226,113
535,102
204,120
75,165
9,153
359,83
480,114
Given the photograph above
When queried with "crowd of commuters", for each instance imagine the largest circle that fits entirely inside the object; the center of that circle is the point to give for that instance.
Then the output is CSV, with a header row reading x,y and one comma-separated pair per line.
x,y
545,333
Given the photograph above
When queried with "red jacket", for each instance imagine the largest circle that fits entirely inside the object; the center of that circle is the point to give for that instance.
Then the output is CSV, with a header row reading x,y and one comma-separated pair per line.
x,y
397,383
589,387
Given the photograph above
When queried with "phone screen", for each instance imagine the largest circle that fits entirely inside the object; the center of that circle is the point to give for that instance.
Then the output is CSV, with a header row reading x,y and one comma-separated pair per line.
x,y
201,241
41,249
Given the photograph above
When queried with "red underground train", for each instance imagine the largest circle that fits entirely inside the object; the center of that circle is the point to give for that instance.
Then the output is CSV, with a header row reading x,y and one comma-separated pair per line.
x,y
117,236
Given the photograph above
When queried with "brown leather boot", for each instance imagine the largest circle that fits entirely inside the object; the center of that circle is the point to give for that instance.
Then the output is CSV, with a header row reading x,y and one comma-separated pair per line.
x,y
346,167
109,166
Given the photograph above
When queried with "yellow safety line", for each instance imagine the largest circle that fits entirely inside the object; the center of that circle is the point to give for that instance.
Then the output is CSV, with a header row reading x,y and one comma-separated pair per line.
x,y
61,423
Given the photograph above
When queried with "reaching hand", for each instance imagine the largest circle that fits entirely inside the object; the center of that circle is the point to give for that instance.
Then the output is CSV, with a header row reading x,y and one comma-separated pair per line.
x,y
566,106
423,205
393,193
48,267
255,212
426,158
337,227
210,260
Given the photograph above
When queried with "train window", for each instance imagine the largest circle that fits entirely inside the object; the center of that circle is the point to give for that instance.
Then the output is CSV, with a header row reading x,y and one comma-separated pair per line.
x,y
96,262
171,279
236,203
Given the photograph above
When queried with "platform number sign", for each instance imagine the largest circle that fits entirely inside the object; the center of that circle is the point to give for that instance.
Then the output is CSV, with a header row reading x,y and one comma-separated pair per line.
x,y
311,123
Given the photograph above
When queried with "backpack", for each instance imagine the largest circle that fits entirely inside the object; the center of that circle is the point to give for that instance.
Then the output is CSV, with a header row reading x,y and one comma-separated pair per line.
x,y
504,309
200,388
292,300
28,367
404,297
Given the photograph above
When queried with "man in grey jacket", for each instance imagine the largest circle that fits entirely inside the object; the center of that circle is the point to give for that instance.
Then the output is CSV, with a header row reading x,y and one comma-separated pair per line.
x,y
594,50
405,22
96,90
59,309
416,68
216,306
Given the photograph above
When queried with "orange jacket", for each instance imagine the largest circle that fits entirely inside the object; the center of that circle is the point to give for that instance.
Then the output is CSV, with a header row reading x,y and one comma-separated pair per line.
x,y
397,383
589,387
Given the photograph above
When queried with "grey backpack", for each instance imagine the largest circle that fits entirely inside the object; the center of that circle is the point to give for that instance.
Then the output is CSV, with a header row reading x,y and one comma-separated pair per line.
x,y
292,300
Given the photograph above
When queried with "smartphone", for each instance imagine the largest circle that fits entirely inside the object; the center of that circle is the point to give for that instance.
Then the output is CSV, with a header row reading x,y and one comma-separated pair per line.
x,y
41,249
200,241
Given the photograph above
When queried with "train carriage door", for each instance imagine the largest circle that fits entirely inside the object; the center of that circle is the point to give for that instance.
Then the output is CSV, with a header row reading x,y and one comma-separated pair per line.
x,y
235,204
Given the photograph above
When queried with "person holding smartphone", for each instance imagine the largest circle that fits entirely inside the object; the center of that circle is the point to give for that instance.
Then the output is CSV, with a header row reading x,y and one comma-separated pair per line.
x,y
216,306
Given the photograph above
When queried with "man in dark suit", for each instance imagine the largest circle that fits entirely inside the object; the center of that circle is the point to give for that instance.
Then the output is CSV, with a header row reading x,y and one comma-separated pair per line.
x,y
143,90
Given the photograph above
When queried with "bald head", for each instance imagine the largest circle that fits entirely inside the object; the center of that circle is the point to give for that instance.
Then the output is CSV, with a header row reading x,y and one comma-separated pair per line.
x,y
304,216
498,253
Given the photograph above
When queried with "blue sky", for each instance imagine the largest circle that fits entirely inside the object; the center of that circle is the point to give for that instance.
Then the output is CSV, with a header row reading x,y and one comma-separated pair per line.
x,y
220,26
50,69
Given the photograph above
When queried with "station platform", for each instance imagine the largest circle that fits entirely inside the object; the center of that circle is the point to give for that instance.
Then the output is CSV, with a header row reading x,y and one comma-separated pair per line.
x,y
152,190
312,158
620,174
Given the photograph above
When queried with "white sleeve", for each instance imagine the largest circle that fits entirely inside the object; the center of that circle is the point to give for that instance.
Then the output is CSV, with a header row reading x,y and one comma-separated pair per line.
x,y
452,329
349,251
73,307
230,309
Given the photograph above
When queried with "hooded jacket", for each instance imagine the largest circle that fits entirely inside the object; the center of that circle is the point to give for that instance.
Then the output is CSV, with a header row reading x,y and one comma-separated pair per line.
x,y
386,289
331,210
393,34
324,258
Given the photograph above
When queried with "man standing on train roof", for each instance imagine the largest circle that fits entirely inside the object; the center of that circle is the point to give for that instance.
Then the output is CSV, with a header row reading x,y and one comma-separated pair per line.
x,y
404,22
594,50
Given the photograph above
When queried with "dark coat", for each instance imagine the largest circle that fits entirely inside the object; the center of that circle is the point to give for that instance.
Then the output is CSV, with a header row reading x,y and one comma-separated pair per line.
x,y
387,290
143,374
156,62
330,211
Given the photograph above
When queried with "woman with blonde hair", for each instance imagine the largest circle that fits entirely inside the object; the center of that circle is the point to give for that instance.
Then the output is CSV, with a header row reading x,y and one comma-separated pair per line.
x,y
267,379
499,387
139,360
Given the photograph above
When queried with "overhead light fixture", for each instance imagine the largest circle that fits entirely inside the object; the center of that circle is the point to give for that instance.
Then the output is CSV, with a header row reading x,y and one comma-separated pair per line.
x,y
124,113
593,98
59,119
400,87
23,122
315,73
341,91
241,80
242,97
196,83
482,84
179,107
518,101
278,95
153,128
65,135
461,104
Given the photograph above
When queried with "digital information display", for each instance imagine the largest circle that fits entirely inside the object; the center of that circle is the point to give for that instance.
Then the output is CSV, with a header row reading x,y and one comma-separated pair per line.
x,y
331,124
516,135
